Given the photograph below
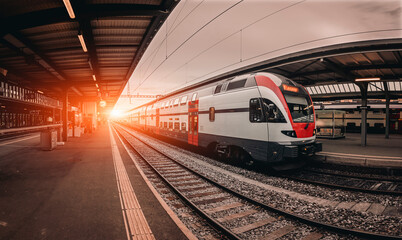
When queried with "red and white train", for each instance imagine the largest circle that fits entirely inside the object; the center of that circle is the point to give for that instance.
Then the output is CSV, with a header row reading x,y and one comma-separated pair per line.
x,y
256,117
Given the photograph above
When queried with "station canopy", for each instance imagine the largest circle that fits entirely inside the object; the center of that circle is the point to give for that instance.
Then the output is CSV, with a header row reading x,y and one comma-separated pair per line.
x,y
92,50
334,72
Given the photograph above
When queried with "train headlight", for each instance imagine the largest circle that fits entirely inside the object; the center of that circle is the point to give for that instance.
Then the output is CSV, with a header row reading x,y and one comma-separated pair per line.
x,y
314,132
290,133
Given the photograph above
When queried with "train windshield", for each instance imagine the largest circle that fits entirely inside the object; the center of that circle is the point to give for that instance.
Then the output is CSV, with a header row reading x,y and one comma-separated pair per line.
x,y
300,108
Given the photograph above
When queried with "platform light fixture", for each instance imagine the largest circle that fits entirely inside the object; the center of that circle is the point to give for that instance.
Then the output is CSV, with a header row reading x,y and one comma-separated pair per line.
x,y
94,77
367,79
82,41
97,85
69,8
39,91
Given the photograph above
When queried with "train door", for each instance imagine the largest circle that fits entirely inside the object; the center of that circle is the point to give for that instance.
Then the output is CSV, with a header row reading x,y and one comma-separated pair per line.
x,y
193,122
157,121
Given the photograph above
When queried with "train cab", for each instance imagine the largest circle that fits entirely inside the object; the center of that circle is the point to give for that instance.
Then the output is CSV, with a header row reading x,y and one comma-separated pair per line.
x,y
288,110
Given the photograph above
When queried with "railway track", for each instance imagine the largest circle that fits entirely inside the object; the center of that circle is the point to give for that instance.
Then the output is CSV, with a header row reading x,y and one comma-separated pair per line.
x,y
224,208
366,184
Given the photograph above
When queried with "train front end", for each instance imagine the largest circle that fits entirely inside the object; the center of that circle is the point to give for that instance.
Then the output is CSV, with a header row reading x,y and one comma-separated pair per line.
x,y
288,109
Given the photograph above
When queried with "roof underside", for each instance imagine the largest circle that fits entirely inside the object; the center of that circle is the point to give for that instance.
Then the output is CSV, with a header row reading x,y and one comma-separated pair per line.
x,y
325,73
40,49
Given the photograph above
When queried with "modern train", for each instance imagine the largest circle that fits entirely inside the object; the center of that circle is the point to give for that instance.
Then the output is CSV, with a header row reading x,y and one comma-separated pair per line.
x,y
261,117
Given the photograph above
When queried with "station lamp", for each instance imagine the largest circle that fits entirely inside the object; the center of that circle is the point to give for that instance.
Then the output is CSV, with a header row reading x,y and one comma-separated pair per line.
x,y
69,8
82,41
367,79
94,77
102,103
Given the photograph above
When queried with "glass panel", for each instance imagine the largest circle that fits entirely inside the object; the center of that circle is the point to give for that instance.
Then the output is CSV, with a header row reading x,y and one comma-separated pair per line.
x,y
322,89
391,86
352,87
331,87
300,108
398,86
380,86
336,87
184,100
236,84
318,90
194,97
327,89
371,88
309,90
356,87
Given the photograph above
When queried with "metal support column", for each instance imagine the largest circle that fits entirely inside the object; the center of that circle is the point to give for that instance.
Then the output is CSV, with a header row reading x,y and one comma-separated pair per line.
x,y
387,98
65,115
363,89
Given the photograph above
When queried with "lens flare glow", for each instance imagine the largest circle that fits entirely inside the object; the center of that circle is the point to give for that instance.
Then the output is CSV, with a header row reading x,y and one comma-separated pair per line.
x,y
115,113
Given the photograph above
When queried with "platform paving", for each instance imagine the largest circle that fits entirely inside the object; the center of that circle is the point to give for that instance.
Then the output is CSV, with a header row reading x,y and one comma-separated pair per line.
x,y
379,152
70,192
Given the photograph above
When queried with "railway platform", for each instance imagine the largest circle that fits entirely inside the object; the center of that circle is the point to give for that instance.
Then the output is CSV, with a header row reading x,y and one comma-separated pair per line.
x,y
379,152
87,189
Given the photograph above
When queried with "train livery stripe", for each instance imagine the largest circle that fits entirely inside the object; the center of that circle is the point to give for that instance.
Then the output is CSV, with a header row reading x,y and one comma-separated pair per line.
x,y
303,130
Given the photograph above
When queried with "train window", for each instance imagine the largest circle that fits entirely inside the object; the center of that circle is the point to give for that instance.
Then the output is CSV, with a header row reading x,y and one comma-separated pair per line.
x,y
165,124
176,126
272,112
195,125
218,89
176,102
236,84
194,97
212,114
183,100
255,112
183,126
170,125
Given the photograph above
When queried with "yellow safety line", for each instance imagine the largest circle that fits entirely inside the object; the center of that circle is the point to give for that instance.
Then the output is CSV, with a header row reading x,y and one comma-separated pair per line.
x,y
136,225
169,211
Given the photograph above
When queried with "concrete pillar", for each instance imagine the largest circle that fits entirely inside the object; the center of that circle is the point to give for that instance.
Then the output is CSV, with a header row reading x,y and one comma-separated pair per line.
x,y
65,115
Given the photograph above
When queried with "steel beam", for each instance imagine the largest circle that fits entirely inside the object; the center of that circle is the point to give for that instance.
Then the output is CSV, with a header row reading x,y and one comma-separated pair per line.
x,y
65,114
387,99
363,129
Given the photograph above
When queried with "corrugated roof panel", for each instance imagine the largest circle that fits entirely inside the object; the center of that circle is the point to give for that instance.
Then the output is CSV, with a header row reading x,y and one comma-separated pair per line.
x,y
126,22
51,28
119,31
375,58
53,35
118,39
56,43
149,2
12,8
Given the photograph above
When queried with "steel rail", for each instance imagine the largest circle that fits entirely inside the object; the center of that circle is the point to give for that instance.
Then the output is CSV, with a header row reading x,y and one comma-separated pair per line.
x,y
215,224
343,187
351,176
329,227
